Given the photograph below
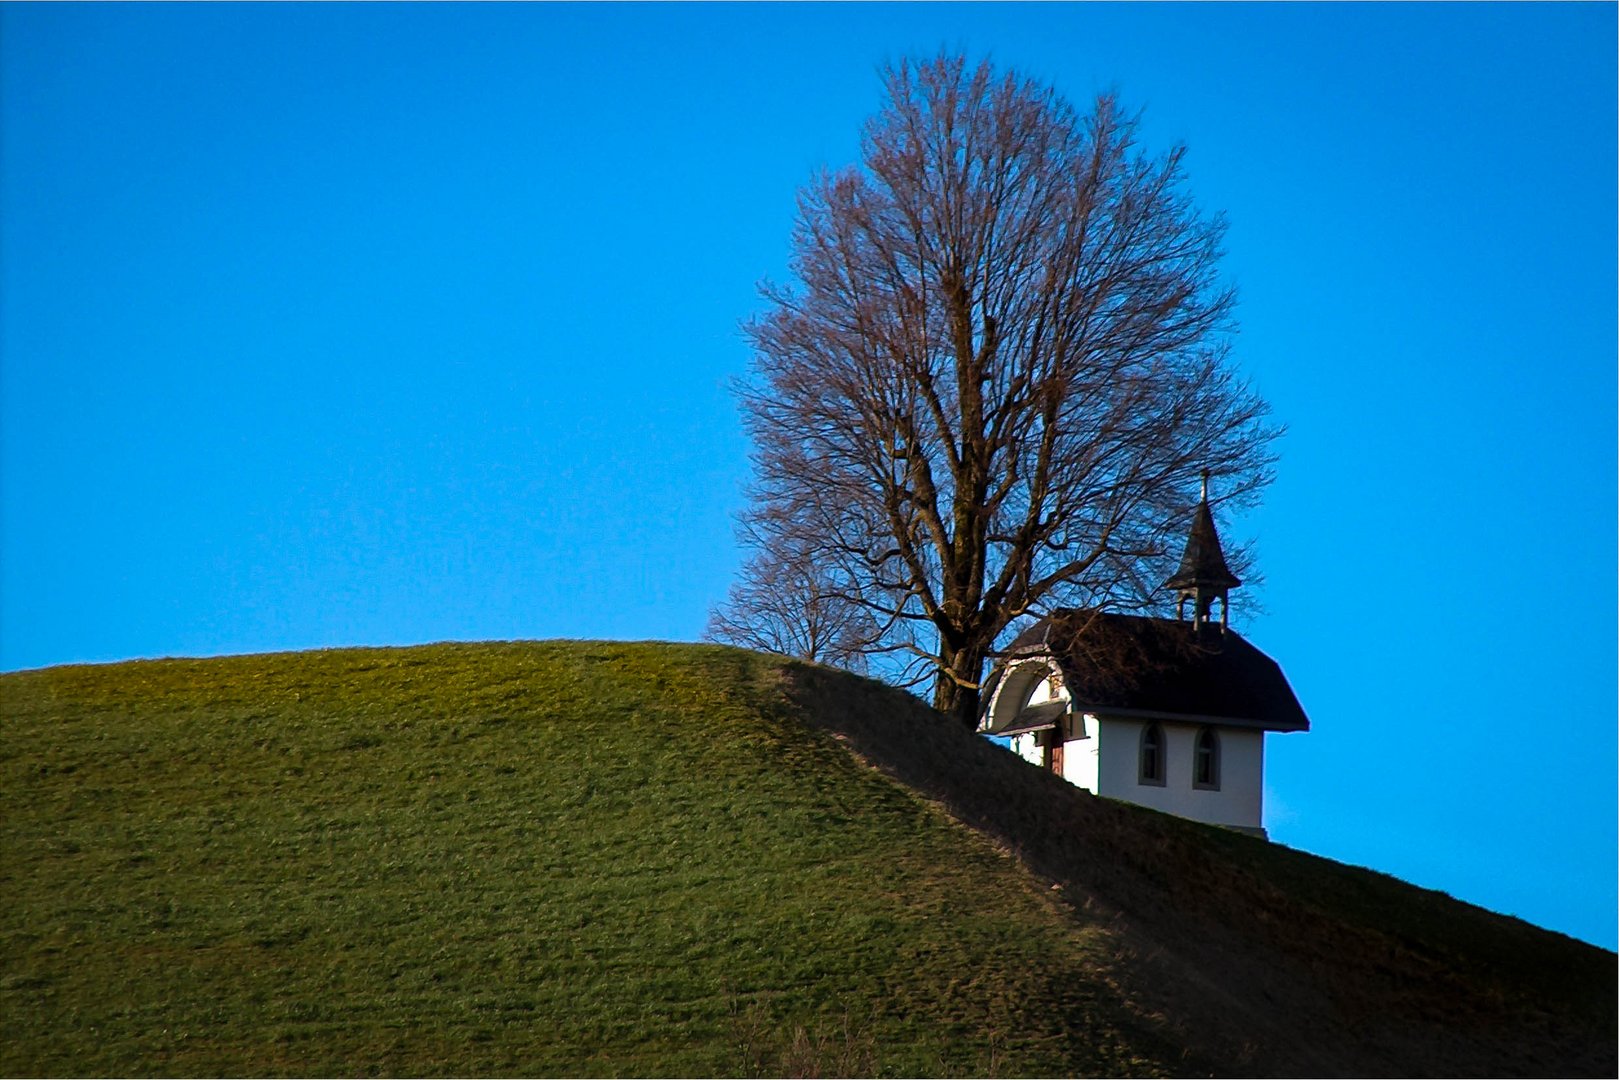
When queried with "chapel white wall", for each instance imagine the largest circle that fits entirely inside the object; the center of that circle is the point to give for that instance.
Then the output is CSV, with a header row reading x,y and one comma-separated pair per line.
x,y
1027,747
1239,800
1080,760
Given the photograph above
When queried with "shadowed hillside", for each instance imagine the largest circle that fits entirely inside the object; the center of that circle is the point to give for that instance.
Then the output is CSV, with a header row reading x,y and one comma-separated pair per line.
x,y
593,858
1257,958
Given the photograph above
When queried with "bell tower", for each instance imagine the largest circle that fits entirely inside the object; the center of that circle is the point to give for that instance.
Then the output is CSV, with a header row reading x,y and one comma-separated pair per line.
x,y
1203,575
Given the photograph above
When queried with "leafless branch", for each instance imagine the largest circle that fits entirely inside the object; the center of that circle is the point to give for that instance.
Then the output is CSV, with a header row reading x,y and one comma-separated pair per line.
x,y
992,386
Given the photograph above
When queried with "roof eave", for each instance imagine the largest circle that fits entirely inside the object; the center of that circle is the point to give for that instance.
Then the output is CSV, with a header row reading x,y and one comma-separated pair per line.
x,y
1105,711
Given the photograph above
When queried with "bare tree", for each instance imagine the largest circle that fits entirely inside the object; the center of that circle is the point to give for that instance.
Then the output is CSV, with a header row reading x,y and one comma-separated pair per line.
x,y
785,602
1000,371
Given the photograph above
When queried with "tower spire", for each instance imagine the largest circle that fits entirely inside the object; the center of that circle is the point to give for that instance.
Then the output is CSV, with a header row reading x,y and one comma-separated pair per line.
x,y
1203,575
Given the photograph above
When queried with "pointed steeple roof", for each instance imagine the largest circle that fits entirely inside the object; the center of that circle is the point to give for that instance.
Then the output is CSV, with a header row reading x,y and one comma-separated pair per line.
x,y
1203,563
1203,576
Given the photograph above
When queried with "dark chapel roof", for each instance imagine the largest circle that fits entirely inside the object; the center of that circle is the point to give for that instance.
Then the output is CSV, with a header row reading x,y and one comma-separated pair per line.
x,y
1165,668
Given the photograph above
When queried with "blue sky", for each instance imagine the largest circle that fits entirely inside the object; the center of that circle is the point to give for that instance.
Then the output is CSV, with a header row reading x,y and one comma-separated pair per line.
x,y
327,325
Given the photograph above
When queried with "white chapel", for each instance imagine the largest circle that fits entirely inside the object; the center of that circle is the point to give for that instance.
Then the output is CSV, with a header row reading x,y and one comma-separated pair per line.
x,y
1167,713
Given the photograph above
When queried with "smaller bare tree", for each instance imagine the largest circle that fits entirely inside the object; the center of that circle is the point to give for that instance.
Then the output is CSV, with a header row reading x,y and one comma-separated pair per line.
x,y
785,602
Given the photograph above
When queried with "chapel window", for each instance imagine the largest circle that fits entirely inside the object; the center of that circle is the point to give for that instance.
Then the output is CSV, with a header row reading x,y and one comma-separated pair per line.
x,y
1152,755
1206,762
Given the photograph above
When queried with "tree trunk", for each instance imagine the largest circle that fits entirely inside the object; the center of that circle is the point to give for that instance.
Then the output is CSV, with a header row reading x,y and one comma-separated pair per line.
x,y
960,703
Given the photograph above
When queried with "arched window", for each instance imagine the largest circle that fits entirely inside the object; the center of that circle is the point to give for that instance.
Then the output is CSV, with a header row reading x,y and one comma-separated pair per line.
x,y
1152,755
1206,761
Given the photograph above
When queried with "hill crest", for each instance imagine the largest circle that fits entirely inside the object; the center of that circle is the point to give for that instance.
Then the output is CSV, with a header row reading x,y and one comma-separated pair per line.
x,y
593,857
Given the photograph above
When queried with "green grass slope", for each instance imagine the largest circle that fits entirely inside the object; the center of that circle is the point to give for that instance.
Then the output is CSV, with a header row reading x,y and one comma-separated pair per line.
x,y
591,858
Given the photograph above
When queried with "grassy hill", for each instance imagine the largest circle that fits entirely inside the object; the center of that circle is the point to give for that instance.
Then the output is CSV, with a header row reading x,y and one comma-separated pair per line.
x,y
591,858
